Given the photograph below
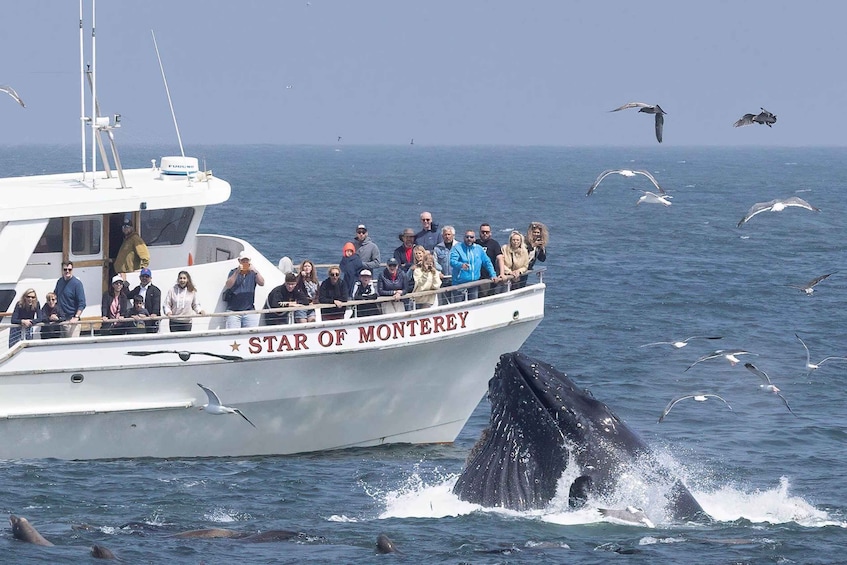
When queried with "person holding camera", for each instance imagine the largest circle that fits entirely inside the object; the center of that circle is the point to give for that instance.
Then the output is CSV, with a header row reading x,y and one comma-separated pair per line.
x,y
241,283
537,238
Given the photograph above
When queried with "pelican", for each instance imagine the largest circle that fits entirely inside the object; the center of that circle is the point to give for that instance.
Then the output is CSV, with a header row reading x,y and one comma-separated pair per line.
x,y
812,366
680,344
624,173
809,287
767,385
764,118
699,397
214,406
648,109
11,92
730,355
776,206
652,198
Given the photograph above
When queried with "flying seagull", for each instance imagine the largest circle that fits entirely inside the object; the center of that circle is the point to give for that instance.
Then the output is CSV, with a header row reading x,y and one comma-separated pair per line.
x,y
648,109
728,354
767,385
764,117
625,173
681,344
699,397
776,206
809,287
812,366
215,407
185,355
11,92
652,198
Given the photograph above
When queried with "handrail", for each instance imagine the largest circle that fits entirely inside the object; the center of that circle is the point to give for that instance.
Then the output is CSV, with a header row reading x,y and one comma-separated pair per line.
x,y
91,321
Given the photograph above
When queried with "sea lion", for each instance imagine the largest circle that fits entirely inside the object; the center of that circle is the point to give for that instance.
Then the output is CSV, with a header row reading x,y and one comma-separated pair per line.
x,y
24,531
385,545
101,552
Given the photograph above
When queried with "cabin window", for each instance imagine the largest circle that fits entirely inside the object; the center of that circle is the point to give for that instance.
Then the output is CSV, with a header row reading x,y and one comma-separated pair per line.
x,y
6,298
51,241
166,227
85,237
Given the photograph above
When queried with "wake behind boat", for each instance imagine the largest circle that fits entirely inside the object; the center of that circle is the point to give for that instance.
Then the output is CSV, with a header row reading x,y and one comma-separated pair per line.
x,y
305,387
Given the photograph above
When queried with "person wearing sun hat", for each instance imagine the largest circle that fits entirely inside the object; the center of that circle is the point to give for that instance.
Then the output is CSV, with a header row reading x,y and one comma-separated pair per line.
x,y
242,282
403,253
151,297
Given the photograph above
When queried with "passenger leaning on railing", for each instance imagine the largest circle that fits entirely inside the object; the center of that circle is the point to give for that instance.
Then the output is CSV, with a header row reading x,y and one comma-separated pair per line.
x,y
70,294
290,293
333,291
467,259
51,317
27,313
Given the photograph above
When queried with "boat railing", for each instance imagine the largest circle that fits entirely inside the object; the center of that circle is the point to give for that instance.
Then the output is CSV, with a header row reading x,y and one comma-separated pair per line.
x,y
91,325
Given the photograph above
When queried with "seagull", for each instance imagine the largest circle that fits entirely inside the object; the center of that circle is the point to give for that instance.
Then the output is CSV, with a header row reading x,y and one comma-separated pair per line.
x,y
11,92
809,287
764,117
185,355
215,407
729,354
699,397
652,198
767,386
625,173
776,206
812,366
648,109
681,344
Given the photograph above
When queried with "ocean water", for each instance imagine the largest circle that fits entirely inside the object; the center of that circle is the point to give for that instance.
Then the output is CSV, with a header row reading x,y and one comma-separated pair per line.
x,y
619,276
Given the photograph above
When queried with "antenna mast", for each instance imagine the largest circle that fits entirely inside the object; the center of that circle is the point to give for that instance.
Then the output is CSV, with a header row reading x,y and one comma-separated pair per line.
x,y
168,92
82,91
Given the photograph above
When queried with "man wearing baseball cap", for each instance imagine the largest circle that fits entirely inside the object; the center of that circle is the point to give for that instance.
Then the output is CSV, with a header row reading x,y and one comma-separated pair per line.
x,y
366,248
151,296
133,254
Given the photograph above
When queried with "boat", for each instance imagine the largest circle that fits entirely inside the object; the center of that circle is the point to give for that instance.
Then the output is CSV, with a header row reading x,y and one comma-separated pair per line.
x,y
300,388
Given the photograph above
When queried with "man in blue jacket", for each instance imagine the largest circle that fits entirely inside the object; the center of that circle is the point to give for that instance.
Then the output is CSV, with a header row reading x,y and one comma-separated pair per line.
x,y
70,299
467,260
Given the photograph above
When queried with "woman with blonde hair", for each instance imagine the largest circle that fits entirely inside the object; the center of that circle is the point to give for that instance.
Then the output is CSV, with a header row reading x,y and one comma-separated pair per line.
x,y
537,238
26,314
515,256
425,276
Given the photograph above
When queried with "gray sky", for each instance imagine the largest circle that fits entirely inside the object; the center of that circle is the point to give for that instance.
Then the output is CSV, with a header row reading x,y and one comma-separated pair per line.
x,y
454,72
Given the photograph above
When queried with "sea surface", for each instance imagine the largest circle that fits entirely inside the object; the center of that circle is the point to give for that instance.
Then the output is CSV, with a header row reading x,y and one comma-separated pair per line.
x,y
619,276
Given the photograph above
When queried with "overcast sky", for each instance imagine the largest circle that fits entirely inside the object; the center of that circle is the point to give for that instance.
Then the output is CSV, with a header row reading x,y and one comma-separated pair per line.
x,y
454,72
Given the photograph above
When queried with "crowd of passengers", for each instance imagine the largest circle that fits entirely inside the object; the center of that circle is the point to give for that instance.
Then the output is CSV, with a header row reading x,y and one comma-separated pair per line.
x,y
427,260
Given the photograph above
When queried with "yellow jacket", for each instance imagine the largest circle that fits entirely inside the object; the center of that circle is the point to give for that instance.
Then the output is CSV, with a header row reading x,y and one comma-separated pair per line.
x,y
132,255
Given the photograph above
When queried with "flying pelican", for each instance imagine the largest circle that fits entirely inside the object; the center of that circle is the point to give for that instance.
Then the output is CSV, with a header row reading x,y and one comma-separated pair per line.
x,y
764,117
11,92
624,173
652,198
809,287
699,397
776,206
767,385
729,354
681,344
214,406
648,109
812,366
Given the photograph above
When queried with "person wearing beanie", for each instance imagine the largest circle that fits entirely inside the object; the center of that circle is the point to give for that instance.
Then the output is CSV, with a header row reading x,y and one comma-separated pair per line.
x,y
351,264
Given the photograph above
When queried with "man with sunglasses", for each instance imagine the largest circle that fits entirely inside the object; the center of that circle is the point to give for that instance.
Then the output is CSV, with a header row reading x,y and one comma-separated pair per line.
x,y
467,260
430,235
333,291
70,296
366,248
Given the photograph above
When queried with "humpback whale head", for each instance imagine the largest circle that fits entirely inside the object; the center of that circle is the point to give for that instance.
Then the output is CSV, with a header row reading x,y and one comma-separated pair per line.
x,y
540,423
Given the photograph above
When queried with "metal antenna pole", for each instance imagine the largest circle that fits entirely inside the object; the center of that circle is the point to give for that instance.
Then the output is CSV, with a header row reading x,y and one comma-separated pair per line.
x,y
168,92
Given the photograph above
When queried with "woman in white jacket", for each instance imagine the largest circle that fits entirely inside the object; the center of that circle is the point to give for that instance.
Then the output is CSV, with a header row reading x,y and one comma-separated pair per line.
x,y
181,301
426,277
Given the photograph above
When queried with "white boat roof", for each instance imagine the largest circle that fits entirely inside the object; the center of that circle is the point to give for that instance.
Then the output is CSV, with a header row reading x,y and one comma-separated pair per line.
x,y
68,194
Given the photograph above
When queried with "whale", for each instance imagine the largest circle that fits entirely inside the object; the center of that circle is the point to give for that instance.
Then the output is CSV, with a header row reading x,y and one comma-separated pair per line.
x,y
24,531
541,422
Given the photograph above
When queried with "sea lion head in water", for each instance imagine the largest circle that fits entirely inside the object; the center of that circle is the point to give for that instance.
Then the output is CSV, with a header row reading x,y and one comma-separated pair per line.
x,y
24,531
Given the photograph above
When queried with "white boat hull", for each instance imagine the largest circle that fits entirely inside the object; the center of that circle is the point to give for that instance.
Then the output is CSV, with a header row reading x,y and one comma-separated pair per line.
x,y
414,377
